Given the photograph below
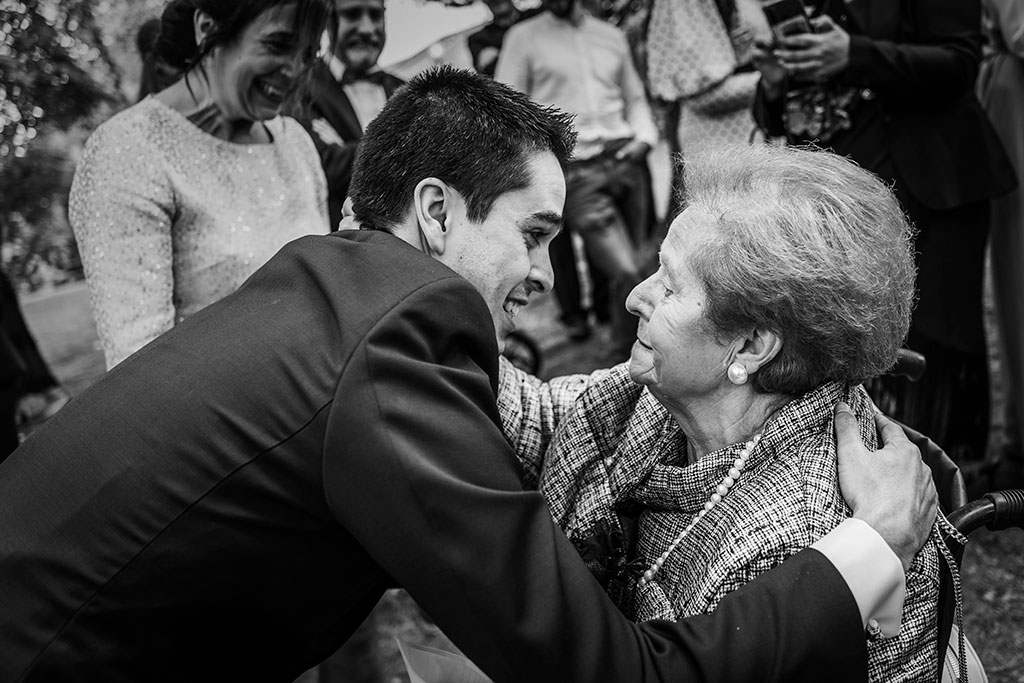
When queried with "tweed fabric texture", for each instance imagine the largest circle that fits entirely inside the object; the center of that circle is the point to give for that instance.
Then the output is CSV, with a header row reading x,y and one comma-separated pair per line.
x,y
611,462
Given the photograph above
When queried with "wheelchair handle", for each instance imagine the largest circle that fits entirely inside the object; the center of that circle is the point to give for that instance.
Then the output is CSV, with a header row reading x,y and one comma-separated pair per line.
x,y
996,511
909,364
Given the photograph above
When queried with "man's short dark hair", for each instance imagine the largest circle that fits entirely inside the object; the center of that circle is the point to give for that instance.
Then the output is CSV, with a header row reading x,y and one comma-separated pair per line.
x,y
463,128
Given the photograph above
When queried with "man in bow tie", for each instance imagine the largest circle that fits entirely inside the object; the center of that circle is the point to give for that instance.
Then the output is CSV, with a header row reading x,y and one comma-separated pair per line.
x,y
349,90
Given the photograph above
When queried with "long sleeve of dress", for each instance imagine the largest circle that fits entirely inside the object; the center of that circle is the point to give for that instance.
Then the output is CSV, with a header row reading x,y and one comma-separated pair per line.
x,y
121,210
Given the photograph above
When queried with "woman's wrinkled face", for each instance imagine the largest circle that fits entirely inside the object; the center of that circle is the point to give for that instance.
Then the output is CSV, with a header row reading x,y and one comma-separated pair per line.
x,y
677,354
252,76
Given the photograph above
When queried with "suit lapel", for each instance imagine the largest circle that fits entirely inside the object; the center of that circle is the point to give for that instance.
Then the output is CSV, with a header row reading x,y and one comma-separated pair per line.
x,y
335,106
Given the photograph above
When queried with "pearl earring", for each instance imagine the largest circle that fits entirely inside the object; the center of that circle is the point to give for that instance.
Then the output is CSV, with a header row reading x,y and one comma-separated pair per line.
x,y
737,373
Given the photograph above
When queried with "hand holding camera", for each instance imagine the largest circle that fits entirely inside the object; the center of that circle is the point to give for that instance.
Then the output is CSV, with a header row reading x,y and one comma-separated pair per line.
x,y
807,49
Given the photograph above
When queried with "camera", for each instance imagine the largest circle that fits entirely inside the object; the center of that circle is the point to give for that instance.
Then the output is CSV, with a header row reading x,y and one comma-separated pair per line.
x,y
786,17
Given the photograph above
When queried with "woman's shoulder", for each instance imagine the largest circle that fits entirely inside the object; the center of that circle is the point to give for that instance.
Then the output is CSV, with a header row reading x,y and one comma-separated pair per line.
x,y
289,130
133,130
140,117
801,438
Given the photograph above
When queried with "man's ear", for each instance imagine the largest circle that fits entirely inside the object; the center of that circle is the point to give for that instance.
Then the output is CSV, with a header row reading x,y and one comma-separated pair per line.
x,y
432,201
756,348
204,25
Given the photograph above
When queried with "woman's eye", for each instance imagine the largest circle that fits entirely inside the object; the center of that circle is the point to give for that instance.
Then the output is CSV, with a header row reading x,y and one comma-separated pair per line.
x,y
279,47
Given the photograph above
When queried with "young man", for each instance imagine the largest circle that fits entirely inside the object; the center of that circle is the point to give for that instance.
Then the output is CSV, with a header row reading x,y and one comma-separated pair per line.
x,y
232,500
567,59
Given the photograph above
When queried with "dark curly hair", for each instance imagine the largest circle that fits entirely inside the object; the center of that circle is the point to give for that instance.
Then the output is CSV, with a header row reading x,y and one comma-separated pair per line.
x,y
176,44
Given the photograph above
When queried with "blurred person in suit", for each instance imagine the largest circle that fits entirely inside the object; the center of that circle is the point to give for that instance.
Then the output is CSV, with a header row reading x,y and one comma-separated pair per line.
x,y
891,85
1001,91
348,91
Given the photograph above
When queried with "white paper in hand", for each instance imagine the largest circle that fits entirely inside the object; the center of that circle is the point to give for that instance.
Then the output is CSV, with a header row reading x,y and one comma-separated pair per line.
x,y
430,665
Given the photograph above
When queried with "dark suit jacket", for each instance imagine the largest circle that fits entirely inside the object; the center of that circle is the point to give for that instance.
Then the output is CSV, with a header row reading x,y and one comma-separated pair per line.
x,y
230,502
330,102
920,60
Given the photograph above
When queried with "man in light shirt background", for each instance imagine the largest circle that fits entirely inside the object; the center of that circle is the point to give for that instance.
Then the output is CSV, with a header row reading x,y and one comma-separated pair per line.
x,y
570,60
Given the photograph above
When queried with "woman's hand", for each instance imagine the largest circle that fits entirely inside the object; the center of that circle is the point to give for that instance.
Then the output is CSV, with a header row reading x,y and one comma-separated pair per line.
x,y
891,488
818,55
773,74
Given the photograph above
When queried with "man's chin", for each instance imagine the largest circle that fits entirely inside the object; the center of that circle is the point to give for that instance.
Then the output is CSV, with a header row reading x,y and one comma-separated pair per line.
x,y
361,59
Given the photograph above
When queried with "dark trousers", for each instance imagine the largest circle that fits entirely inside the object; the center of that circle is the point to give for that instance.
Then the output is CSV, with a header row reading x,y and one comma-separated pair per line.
x,y
35,373
951,403
608,203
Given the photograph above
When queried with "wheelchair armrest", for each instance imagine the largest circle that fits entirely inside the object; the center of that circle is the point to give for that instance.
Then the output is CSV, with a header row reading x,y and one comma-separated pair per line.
x,y
996,510
909,364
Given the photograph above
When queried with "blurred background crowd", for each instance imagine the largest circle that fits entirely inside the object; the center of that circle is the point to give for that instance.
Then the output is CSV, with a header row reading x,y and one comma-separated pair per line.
x,y
161,217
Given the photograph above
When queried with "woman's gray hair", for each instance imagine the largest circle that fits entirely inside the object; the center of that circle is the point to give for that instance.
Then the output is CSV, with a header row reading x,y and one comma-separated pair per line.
x,y
810,246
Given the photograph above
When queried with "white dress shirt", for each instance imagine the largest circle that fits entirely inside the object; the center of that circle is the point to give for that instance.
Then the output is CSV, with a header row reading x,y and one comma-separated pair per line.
x,y
586,70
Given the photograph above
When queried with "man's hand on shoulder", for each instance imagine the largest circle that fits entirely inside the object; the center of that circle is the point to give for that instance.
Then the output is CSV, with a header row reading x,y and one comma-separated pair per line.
x,y
891,488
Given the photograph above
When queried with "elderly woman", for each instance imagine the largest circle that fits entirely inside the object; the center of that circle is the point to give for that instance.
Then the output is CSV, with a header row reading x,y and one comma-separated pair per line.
x,y
709,458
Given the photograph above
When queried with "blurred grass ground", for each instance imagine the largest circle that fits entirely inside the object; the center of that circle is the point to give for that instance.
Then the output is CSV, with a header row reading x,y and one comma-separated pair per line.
x,y
993,572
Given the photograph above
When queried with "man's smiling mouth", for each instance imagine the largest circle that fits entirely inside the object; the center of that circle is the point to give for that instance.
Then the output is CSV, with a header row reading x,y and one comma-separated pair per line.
x,y
513,305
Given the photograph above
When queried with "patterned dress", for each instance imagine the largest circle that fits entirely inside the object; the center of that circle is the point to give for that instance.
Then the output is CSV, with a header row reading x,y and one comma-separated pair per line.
x,y
612,463
170,219
693,57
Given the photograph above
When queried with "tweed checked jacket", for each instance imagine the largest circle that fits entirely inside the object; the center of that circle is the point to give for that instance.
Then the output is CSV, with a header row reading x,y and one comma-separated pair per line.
x,y
611,462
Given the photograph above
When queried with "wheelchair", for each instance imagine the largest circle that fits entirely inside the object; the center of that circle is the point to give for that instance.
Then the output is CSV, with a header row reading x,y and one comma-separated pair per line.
x,y
996,511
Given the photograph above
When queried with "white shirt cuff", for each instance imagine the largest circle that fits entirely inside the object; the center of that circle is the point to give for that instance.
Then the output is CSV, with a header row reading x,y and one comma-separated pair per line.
x,y
871,570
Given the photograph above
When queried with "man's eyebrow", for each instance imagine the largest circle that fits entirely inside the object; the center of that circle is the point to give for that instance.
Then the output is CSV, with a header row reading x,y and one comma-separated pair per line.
x,y
552,219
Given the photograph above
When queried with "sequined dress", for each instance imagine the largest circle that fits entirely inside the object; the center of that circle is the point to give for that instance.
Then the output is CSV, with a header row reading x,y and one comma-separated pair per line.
x,y
169,219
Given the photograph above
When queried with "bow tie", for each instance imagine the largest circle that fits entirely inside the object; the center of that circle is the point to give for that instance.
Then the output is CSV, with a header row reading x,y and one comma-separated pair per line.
x,y
376,77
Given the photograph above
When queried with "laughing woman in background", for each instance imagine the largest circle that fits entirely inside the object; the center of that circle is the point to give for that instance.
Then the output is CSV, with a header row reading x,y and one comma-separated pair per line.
x,y
179,198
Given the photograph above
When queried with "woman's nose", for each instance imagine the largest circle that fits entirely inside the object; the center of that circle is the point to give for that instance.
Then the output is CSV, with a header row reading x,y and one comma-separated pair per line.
x,y
638,301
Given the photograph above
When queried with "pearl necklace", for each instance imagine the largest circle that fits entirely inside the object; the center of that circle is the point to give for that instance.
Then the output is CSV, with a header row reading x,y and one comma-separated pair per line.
x,y
716,498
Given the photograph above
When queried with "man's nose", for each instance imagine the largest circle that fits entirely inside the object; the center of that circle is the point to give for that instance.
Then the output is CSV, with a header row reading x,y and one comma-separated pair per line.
x,y
366,25
542,278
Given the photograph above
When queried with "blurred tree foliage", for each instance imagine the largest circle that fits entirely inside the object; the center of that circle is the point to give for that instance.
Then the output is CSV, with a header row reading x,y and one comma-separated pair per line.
x,y
61,68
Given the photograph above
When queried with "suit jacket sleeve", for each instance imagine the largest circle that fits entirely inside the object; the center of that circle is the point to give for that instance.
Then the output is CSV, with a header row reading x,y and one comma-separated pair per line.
x,y
940,65
417,469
